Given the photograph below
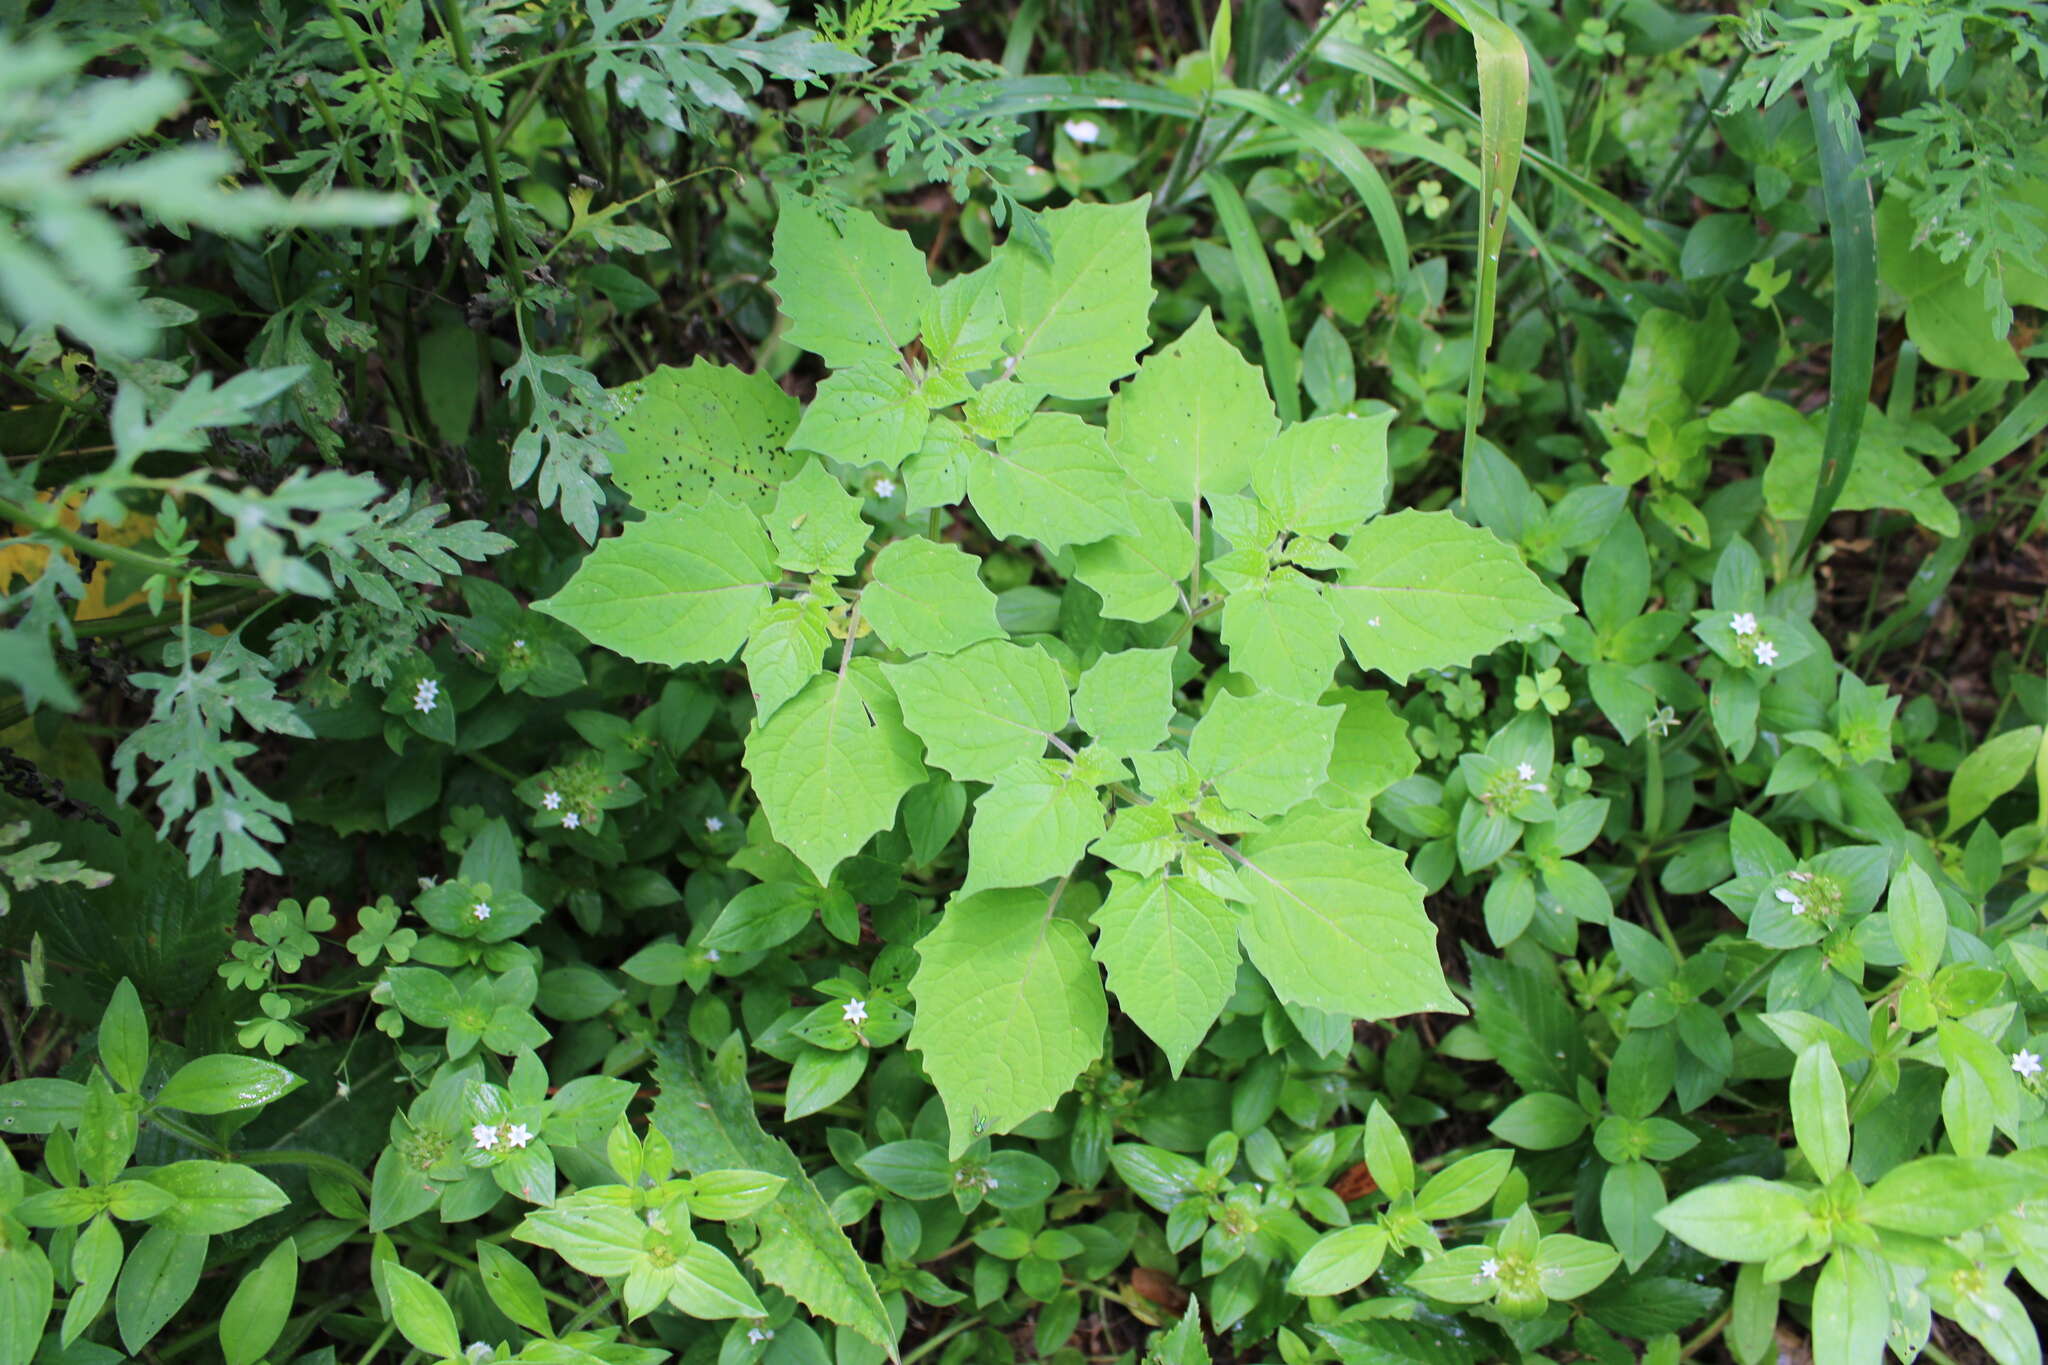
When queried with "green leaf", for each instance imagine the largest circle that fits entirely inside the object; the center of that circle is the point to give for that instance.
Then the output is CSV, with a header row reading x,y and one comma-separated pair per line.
x,y
258,1309
1946,1196
1264,754
513,1288
1430,591
1336,922
1169,945
1054,481
1851,1310
1283,635
1630,1196
707,1111
1744,1219
419,1312
1082,318
925,597
1009,1010
1339,1261
1195,420
785,650
1325,476
1820,1112
1371,752
1994,768
1919,920
1464,1185
95,1262
831,764
701,432
124,1037
708,1285
866,414
27,1288
1886,473
1031,826
1568,1266
681,587
852,289
224,1082
1125,700
161,1273
816,524
214,1196
1138,572
1386,1153
984,710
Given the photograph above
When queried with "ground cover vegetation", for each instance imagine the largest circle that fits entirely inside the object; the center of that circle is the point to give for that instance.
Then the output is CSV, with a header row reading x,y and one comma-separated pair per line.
x,y
965,683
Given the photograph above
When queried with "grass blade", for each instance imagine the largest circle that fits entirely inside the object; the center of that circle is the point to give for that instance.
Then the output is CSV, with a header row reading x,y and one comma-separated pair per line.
x,y
1269,315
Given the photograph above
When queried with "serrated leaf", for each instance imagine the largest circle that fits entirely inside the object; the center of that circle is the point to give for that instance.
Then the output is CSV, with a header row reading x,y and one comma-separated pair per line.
x,y
1196,419
1371,753
1325,476
1125,699
681,587
1031,826
1431,592
1336,922
1009,1010
1169,945
816,524
1082,318
1283,635
703,431
864,414
925,597
852,289
784,651
1139,571
1264,754
831,764
964,323
1054,481
984,710
707,1112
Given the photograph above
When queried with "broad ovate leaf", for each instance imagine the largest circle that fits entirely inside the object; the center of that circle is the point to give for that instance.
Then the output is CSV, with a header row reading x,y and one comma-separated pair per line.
x,y
1138,572
703,431
926,597
984,710
1009,1010
816,525
1169,945
1196,419
831,764
852,289
1430,591
1125,699
681,587
1264,754
1283,635
1053,481
1031,826
1325,476
1082,318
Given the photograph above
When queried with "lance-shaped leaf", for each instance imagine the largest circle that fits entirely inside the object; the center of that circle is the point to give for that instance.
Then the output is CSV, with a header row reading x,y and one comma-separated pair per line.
x,y
1429,591
851,288
1031,826
1170,947
1081,318
1336,922
925,597
703,431
1196,419
1009,1009
984,710
1054,481
831,764
1283,635
1264,754
681,587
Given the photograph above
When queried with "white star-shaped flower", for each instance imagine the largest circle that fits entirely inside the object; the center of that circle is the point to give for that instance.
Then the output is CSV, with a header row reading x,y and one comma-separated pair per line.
x,y
1742,623
1489,1269
2027,1064
885,488
425,695
1082,130
1766,653
1792,899
1526,771
711,954
518,1135
757,1335
570,819
551,800
854,1011
519,644
484,1135
713,824
481,910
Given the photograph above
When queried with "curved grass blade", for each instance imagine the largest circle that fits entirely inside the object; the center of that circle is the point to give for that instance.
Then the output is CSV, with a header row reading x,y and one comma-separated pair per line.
x,y
1269,315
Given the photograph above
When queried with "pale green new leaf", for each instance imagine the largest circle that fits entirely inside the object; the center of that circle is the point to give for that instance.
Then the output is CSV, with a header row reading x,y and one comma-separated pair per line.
x,y
865,414
984,710
703,431
1283,635
1125,699
1031,826
784,652
1325,476
831,764
1054,481
851,288
1264,754
1169,945
1009,1010
1430,591
1336,922
1139,572
1081,319
926,597
1195,420
964,323
816,524
1372,752
681,587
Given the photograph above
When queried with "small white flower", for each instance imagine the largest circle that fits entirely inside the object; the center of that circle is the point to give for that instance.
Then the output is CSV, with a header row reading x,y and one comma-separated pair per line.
x,y
712,824
1766,652
711,955
426,695
1526,771
757,1335
1489,1269
1792,899
1082,130
519,644
481,910
551,800
885,487
484,1135
989,1182
518,1135
570,819
341,1090
1742,623
854,1011
2027,1064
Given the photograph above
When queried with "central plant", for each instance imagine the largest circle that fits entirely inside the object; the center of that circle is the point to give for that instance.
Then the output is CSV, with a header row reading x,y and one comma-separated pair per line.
x,y
1189,789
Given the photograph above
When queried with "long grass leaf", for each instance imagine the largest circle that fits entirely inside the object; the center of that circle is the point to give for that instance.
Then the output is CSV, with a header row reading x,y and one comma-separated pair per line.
x,y
1269,315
